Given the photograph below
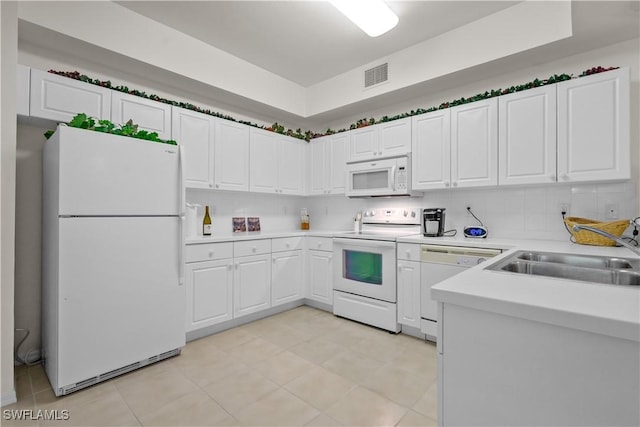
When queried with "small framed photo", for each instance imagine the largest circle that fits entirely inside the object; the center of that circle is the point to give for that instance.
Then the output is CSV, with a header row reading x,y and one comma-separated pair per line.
x,y
253,223
239,224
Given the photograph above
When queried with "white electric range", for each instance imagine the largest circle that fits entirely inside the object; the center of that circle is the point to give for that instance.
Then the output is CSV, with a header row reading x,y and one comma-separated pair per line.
x,y
364,278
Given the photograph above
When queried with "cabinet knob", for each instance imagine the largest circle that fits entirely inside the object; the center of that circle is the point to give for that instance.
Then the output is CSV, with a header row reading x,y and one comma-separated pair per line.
x,y
455,183
217,185
564,176
552,177
230,266
319,245
211,253
210,185
253,249
408,253
446,184
287,245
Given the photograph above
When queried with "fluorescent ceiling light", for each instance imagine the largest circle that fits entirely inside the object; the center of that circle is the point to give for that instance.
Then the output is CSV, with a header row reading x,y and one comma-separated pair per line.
x,y
372,16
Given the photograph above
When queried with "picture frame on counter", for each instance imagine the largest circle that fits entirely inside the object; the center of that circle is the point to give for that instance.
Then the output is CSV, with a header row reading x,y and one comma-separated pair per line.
x,y
239,224
253,223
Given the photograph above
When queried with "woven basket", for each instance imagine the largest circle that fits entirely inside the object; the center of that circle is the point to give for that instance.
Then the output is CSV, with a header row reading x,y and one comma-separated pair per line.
x,y
586,237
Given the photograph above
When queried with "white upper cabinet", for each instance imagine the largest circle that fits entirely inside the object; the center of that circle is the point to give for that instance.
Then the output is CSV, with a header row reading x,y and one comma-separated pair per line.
x,y
527,136
474,144
195,132
382,140
394,137
593,127
263,156
231,156
316,165
60,98
290,165
431,150
276,163
336,168
327,163
23,79
363,144
149,115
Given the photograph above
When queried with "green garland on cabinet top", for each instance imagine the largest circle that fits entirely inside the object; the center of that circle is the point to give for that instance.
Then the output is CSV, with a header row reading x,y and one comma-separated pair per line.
x,y
308,135
82,121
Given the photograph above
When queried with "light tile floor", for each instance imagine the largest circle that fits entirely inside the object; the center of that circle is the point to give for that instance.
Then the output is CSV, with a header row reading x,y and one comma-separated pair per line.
x,y
301,367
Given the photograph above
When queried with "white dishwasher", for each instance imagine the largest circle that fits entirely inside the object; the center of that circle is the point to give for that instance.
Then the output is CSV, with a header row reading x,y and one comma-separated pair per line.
x,y
439,262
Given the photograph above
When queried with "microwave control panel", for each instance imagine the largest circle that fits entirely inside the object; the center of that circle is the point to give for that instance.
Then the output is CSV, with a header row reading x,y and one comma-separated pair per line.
x,y
401,178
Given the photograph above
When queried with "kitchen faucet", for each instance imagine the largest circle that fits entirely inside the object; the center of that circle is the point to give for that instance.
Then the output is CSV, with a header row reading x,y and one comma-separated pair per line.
x,y
616,239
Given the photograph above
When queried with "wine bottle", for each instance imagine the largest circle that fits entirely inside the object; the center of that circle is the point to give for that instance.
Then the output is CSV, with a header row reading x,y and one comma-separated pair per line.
x,y
206,222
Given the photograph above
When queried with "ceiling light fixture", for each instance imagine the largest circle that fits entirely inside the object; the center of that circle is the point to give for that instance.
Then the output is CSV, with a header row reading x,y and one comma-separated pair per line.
x,y
372,16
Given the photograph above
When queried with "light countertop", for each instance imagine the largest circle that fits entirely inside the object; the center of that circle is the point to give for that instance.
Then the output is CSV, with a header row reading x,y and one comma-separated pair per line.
x,y
600,308
255,235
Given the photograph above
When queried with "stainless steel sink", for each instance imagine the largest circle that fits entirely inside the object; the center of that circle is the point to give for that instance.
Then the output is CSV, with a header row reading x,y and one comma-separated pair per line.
x,y
586,268
580,260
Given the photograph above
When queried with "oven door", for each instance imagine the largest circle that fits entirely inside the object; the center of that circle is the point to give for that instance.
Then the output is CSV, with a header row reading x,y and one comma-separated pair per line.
x,y
365,268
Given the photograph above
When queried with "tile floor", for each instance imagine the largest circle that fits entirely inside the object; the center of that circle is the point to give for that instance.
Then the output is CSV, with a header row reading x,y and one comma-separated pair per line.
x,y
301,367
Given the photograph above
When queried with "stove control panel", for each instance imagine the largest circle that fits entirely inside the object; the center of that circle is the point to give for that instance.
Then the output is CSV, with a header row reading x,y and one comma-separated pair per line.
x,y
392,216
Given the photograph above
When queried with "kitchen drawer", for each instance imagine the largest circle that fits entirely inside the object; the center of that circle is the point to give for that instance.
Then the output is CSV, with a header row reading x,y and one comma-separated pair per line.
x,y
286,244
251,247
208,251
320,243
409,251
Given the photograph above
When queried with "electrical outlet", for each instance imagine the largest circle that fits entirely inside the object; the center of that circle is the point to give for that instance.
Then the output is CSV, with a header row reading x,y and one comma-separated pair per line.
x,y
564,207
611,211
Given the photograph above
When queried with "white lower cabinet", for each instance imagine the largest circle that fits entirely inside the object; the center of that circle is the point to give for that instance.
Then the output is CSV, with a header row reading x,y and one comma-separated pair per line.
x,y
251,284
319,270
286,277
209,284
409,293
251,277
209,293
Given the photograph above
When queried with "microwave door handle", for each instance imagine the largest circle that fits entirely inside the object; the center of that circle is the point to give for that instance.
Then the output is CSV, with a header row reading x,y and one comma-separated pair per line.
x,y
393,178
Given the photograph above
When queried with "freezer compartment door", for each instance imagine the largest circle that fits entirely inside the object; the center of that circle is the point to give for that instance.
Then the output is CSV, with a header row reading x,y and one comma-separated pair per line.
x,y
119,297
101,174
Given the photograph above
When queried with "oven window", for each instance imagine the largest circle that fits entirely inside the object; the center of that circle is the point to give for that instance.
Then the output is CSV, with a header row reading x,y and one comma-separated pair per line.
x,y
363,267
370,180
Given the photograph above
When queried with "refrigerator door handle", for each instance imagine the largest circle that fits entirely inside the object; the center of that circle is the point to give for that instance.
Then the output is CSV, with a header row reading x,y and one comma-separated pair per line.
x,y
182,189
182,244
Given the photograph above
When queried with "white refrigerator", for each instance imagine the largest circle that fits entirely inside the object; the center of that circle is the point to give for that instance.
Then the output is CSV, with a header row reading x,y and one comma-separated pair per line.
x,y
112,273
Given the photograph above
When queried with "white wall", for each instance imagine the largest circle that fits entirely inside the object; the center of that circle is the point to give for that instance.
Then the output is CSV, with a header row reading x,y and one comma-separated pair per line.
x,y
8,60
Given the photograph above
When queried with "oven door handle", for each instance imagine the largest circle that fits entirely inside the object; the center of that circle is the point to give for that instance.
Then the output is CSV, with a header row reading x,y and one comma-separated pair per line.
x,y
364,242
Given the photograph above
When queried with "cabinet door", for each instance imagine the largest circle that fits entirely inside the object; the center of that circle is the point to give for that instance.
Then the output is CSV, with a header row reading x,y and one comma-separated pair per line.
x,y
61,98
363,144
474,144
286,277
231,156
527,136
395,137
431,150
335,168
316,166
319,281
251,284
209,293
409,293
23,80
195,132
593,127
263,160
147,114
289,165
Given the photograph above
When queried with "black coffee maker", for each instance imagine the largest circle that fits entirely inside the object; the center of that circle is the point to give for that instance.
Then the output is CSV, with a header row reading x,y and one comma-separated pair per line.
x,y
433,222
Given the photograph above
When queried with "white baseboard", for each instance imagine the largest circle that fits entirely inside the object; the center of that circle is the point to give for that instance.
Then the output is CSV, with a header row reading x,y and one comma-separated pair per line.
x,y
9,398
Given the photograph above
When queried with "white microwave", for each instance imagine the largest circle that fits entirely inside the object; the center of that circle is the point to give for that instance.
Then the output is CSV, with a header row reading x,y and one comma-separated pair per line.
x,y
379,178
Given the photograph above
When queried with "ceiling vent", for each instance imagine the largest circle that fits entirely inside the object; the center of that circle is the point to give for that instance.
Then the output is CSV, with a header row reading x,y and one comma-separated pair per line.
x,y
376,75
